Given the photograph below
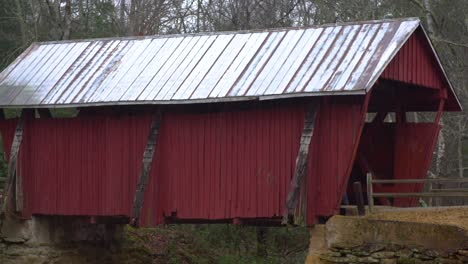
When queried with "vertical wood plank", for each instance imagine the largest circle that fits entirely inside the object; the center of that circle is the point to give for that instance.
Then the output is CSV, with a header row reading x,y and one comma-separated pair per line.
x,y
370,193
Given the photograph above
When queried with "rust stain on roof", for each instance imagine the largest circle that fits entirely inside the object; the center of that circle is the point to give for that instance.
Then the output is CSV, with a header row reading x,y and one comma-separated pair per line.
x,y
330,59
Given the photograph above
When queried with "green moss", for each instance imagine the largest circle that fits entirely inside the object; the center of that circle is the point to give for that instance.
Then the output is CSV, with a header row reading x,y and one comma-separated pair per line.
x,y
406,261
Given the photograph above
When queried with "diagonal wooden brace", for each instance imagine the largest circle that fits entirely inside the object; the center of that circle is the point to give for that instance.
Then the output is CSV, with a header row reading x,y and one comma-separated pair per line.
x,y
12,175
145,170
301,164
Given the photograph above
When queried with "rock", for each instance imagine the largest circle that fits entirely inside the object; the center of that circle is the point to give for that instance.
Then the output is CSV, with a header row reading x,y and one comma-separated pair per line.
x,y
361,253
367,260
388,261
404,253
14,231
422,256
334,249
383,254
25,260
463,252
447,261
351,258
15,240
371,248
345,259
419,261
432,253
393,247
347,251
333,254
463,258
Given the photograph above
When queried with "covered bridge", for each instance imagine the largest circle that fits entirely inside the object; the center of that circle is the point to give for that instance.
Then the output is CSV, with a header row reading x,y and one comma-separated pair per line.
x,y
231,126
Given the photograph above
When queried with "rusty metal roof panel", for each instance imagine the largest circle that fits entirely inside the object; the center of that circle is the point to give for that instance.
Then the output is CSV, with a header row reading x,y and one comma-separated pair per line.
x,y
330,59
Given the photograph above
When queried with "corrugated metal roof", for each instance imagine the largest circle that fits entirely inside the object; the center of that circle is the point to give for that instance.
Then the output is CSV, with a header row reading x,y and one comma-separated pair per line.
x,y
330,59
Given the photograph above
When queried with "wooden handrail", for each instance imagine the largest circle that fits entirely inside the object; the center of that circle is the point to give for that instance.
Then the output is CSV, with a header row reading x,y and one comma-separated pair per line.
x,y
452,192
441,180
423,194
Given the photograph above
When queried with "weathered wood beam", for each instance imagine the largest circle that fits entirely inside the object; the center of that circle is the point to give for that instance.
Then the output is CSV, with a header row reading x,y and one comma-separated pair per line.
x,y
145,171
14,182
301,164
19,197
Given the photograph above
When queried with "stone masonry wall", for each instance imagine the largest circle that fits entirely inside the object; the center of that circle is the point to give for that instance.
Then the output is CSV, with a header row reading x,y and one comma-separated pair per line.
x,y
392,254
371,240
55,240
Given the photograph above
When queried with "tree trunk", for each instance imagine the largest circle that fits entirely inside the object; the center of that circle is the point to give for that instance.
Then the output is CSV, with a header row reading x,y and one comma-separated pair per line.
x,y
441,140
429,17
122,17
22,26
132,18
199,7
67,18
439,156
461,169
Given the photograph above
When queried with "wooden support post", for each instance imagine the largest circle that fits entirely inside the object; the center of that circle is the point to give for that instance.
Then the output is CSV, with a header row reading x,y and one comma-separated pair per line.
x,y
380,117
13,182
400,116
357,187
440,110
301,164
144,176
430,198
370,192
44,113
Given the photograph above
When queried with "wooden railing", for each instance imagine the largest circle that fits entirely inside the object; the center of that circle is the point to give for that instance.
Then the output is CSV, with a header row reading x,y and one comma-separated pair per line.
x,y
454,192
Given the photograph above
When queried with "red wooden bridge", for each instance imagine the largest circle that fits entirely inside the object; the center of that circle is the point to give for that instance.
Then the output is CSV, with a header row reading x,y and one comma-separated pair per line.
x,y
242,126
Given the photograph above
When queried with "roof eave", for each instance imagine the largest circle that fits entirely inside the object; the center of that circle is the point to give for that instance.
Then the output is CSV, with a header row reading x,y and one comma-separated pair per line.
x,y
196,101
452,90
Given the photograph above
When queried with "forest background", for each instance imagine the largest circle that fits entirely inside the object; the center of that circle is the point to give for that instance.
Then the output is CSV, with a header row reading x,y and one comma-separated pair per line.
x,y
23,22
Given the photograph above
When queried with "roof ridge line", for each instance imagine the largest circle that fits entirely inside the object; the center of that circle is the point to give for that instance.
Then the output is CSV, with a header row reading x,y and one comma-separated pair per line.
x,y
250,31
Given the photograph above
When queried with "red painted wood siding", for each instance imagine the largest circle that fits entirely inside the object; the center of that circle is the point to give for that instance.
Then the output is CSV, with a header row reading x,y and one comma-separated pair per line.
x,y
399,151
80,166
335,140
416,64
413,154
224,165
216,165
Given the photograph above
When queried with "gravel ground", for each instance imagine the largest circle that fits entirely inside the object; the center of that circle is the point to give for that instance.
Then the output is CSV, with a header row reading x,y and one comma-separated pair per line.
x,y
456,215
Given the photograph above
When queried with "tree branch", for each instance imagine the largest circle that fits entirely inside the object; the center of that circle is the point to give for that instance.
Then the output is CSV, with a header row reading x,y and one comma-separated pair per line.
x,y
419,4
450,42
